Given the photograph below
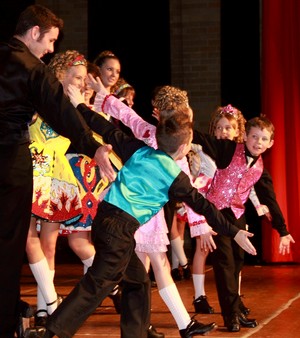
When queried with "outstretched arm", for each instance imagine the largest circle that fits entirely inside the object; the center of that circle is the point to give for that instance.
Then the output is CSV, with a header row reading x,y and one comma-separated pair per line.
x,y
123,145
111,105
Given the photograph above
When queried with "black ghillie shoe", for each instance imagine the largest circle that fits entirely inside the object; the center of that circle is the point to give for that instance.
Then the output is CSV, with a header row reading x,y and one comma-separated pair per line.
x,y
201,305
197,328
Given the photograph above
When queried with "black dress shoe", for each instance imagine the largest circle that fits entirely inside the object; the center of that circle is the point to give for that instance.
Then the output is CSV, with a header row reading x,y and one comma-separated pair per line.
x,y
152,333
245,310
232,322
196,328
201,305
247,322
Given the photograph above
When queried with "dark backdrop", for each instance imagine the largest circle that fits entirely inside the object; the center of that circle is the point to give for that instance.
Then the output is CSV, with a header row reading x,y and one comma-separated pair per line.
x,y
138,33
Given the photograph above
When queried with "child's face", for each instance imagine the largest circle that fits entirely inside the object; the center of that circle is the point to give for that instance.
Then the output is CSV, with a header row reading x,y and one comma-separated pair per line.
x,y
258,141
110,73
129,97
226,129
75,75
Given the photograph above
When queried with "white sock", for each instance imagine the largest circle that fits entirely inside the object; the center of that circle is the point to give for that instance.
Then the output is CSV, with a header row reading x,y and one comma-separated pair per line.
x,y
177,246
171,297
198,281
44,279
41,303
87,263
240,281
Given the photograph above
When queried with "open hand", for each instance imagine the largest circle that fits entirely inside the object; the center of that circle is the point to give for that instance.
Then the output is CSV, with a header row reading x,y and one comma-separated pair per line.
x,y
284,245
243,241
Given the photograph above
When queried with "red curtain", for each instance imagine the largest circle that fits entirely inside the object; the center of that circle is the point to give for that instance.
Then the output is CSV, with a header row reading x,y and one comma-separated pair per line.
x,y
281,103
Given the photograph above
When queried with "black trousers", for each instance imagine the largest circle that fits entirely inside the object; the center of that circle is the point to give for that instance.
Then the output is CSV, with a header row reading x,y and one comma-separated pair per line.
x,y
15,210
115,261
227,261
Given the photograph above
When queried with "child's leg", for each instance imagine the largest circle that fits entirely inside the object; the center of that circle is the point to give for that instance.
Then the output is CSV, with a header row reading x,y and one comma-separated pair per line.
x,y
168,290
40,252
200,300
178,253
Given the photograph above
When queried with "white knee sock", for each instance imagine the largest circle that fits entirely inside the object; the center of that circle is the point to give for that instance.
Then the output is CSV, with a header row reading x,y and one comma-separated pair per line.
x,y
87,263
44,279
177,248
198,281
41,303
171,297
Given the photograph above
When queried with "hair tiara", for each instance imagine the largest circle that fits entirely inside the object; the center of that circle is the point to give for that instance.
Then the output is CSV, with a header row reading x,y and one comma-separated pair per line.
x,y
79,60
229,110
123,86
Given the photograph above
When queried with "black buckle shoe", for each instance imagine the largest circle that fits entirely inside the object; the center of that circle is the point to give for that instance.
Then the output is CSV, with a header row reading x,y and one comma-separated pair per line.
x,y
201,305
186,271
232,322
152,333
247,322
245,310
197,328
42,319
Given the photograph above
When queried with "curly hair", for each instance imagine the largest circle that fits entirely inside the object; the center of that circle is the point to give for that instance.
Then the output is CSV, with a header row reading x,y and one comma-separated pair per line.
x,y
168,97
231,114
61,62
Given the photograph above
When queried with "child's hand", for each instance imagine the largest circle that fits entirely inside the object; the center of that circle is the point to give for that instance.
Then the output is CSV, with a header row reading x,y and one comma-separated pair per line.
x,y
207,242
155,114
242,240
97,85
284,245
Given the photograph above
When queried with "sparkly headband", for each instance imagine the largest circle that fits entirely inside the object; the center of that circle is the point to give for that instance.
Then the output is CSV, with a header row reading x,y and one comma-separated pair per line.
x,y
79,60
125,85
229,110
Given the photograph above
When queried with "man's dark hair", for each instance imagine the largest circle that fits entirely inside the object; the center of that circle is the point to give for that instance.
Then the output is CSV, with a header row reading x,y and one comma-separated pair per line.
x,y
37,15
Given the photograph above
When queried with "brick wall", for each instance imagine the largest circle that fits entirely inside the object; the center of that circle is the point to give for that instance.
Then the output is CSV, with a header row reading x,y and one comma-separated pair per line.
x,y
195,54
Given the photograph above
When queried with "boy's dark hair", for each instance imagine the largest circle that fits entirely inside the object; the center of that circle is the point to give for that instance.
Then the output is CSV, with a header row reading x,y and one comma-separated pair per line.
x,y
37,15
174,131
261,122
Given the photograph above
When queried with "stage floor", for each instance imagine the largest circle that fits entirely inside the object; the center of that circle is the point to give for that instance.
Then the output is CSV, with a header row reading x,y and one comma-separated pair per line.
x,y
272,292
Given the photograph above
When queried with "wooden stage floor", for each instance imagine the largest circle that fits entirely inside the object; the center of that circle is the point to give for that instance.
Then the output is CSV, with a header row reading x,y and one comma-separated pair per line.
x,y
271,291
